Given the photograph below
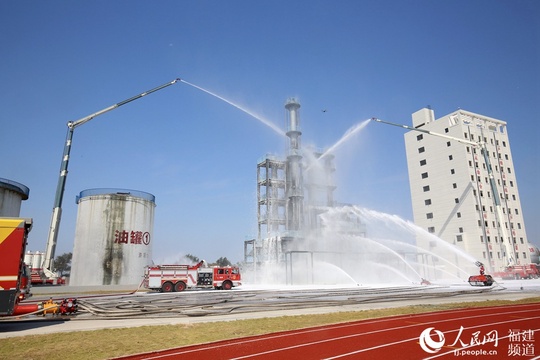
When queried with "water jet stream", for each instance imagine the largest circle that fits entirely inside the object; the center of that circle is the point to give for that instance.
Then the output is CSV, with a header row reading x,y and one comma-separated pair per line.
x,y
341,271
353,130
264,121
437,269
348,134
393,270
393,252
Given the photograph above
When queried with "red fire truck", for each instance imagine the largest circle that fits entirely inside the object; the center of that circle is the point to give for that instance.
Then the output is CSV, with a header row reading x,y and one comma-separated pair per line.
x,y
14,276
517,272
14,284
167,278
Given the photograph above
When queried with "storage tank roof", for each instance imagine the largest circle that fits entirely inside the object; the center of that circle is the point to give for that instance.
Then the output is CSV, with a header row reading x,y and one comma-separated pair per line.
x,y
15,186
110,191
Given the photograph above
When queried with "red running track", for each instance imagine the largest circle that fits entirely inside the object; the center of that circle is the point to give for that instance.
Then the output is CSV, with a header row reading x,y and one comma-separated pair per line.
x,y
486,333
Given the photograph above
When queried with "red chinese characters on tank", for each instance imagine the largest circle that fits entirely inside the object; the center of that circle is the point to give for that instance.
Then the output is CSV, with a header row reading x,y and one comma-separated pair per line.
x,y
131,237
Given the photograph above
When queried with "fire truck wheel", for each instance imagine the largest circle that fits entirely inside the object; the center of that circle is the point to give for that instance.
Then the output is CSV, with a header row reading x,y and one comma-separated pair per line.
x,y
227,285
179,286
167,287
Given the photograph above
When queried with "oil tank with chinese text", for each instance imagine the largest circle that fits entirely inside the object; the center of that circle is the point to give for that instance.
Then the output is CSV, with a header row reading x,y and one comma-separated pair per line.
x,y
11,196
113,237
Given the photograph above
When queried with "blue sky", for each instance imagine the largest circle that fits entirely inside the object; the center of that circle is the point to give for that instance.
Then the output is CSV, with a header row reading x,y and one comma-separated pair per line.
x,y
63,60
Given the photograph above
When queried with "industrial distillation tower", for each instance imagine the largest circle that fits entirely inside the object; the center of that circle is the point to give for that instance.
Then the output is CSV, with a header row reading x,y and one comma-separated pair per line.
x,y
289,200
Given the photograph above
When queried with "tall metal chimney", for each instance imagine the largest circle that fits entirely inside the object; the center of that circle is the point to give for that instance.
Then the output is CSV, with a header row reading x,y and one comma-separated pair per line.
x,y
294,179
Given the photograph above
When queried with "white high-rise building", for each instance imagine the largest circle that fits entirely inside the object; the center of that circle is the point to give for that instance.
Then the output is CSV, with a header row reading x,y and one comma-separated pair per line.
x,y
456,197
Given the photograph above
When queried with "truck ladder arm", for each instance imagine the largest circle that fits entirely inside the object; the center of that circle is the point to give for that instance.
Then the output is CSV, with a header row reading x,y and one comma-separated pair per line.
x,y
57,208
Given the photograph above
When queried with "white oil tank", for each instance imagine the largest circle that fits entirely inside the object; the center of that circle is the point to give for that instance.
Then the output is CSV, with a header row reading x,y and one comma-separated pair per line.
x,y
113,237
37,261
28,258
11,196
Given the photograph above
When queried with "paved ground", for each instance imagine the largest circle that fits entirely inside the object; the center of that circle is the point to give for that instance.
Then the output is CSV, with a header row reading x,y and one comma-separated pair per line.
x,y
509,291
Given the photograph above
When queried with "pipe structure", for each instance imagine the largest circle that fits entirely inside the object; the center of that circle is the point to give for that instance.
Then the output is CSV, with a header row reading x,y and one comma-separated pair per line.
x,y
294,178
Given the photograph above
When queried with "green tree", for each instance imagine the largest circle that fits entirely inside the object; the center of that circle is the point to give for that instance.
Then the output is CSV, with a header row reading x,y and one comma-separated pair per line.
x,y
62,263
223,261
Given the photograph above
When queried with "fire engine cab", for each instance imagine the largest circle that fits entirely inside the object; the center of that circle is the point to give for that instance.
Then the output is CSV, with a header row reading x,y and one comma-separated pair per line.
x,y
167,278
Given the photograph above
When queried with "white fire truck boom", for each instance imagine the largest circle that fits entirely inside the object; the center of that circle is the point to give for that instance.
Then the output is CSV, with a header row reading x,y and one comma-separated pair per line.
x,y
507,243
57,208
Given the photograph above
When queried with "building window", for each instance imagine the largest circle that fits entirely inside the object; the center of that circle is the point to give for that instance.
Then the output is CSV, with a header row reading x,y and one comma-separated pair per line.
x,y
431,229
420,137
456,200
459,238
452,171
421,150
429,215
450,157
448,143
426,188
454,185
458,214
465,135
423,162
424,175
460,230
427,202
